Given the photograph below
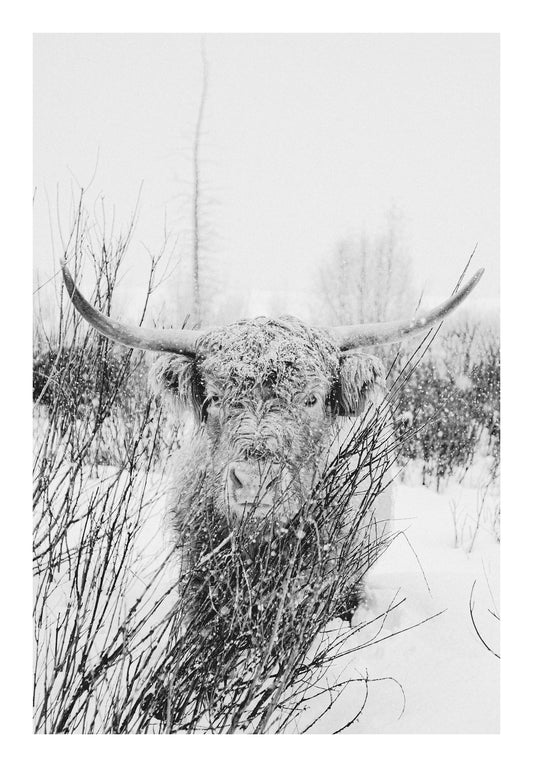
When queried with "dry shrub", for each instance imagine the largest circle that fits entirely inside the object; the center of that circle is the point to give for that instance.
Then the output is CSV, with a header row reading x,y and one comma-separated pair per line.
x,y
450,403
235,642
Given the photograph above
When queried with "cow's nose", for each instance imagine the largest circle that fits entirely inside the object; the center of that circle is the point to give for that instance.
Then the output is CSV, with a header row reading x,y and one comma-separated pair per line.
x,y
237,476
251,483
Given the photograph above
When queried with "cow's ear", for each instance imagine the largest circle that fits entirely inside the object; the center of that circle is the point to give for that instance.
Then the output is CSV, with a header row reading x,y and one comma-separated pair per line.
x,y
176,377
361,381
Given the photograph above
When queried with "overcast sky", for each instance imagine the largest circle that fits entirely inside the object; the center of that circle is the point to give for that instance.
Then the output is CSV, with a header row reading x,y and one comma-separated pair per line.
x,y
307,138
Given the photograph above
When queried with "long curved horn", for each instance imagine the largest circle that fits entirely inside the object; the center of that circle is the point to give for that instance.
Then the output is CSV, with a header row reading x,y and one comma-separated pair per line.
x,y
176,341
374,334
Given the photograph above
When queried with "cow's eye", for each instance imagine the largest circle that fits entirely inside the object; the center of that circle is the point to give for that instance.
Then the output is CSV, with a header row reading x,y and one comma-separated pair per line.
x,y
214,399
311,400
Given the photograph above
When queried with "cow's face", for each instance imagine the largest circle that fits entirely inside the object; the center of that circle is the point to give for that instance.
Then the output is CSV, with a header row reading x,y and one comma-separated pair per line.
x,y
267,393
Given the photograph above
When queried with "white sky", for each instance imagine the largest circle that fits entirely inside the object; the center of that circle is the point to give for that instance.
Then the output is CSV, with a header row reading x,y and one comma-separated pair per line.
x,y
307,138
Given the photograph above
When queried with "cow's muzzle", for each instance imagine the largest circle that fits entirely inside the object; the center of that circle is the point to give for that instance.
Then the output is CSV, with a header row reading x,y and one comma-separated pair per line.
x,y
255,486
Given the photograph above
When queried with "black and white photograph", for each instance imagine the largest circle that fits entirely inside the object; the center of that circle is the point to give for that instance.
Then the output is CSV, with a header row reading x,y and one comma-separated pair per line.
x,y
266,383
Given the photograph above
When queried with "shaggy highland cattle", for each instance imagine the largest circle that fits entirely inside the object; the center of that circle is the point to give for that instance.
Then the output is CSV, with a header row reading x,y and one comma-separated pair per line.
x,y
269,397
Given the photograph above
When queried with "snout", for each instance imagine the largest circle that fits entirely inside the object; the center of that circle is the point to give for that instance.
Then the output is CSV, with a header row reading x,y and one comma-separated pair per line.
x,y
253,485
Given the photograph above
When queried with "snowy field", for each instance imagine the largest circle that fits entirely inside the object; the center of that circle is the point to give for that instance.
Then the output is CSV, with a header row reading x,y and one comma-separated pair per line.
x,y
438,677
429,670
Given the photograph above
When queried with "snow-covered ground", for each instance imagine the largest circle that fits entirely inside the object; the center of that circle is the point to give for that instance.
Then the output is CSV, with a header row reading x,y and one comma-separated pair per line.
x,y
431,672
446,680
434,673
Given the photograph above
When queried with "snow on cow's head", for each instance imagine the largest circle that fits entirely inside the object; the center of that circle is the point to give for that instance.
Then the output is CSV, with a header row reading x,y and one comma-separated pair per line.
x,y
284,356
267,393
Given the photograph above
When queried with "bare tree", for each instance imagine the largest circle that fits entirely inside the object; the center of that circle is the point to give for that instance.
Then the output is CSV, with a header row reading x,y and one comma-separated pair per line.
x,y
368,279
197,303
197,277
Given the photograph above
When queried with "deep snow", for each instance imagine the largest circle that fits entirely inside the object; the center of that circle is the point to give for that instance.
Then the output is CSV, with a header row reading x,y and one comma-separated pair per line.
x,y
435,677
450,680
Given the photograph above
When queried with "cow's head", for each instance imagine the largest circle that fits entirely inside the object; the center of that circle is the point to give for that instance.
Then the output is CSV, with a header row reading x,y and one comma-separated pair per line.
x,y
267,393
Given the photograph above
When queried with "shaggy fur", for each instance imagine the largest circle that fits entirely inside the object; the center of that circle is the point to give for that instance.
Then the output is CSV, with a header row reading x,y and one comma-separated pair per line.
x,y
262,372
283,354
360,382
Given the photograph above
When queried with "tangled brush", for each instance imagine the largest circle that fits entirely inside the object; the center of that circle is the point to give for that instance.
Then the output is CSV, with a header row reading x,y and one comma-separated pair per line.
x,y
250,641
244,645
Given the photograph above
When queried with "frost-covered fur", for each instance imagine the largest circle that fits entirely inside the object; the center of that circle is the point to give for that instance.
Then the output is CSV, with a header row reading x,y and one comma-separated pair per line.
x,y
360,382
262,392
284,353
175,376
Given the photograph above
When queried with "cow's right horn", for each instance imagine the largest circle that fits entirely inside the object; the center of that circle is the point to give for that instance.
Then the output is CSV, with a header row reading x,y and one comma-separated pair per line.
x,y
175,341
374,334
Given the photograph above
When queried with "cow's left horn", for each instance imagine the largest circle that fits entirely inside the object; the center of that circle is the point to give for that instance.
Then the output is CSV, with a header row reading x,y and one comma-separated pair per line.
x,y
176,341
374,334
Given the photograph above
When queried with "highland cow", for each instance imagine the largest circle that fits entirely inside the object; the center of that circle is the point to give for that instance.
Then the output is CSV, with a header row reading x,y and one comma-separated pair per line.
x,y
268,397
